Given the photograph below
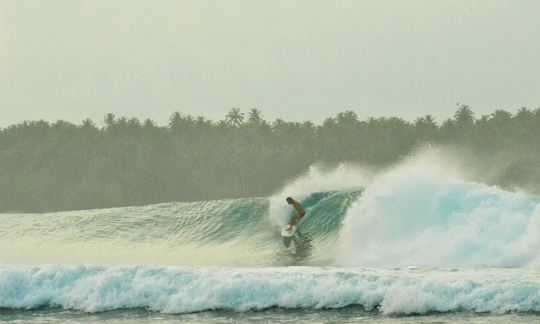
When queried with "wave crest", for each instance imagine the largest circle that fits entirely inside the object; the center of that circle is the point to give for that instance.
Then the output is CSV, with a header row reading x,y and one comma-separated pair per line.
x,y
419,215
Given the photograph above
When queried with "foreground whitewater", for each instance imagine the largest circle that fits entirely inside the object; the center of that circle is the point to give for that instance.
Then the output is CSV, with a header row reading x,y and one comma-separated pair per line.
x,y
194,289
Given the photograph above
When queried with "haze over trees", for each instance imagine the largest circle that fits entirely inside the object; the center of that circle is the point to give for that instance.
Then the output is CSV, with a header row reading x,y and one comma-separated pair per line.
x,y
124,161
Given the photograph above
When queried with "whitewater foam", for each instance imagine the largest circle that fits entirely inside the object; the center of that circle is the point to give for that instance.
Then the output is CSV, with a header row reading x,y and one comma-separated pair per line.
x,y
417,214
184,290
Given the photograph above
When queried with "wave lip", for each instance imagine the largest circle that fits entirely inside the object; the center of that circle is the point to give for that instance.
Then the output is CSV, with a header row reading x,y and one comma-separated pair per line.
x,y
185,290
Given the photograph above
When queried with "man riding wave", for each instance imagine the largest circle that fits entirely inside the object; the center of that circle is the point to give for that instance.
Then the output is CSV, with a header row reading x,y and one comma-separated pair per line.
x,y
300,211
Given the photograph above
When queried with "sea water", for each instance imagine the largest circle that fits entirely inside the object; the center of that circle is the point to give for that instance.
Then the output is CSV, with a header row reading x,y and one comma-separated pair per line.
x,y
410,244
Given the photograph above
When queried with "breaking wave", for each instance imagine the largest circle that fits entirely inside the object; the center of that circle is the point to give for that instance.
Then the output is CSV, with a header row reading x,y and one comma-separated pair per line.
x,y
407,224
186,290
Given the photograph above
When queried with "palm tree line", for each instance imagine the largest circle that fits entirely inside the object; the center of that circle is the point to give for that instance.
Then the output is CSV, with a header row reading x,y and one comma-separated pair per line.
x,y
62,166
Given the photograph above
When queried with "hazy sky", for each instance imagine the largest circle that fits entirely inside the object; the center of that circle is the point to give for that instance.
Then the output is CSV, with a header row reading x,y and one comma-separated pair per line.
x,y
297,60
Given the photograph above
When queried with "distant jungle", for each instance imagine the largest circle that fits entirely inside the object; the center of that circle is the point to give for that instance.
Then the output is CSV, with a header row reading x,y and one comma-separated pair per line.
x,y
120,161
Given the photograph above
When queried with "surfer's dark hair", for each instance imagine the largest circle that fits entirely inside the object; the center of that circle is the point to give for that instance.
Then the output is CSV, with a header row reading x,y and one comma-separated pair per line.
x,y
289,199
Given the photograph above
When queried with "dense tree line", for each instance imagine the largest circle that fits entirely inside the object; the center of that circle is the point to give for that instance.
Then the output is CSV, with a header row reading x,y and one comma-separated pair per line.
x,y
59,166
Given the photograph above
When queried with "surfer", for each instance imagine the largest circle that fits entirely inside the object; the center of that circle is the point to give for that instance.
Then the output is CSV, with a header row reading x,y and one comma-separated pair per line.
x,y
299,212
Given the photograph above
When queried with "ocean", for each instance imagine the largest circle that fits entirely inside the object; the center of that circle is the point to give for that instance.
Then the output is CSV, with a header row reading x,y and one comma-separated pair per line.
x,y
407,245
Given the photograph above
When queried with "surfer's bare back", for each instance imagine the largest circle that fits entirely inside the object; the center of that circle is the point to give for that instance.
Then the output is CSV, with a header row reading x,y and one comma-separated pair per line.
x,y
299,212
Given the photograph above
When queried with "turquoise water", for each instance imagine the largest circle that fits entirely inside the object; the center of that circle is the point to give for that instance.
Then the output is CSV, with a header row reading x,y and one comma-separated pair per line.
x,y
408,245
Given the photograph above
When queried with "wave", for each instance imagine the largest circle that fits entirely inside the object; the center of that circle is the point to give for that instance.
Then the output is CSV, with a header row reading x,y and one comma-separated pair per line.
x,y
422,216
421,213
232,232
185,290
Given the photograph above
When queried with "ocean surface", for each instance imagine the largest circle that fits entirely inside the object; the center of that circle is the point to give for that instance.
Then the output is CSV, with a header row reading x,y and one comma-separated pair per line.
x,y
412,244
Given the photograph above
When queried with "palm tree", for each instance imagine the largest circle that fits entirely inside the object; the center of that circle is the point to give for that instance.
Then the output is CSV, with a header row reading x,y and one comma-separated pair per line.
x,y
87,124
222,124
122,124
278,123
329,122
255,117
109,120
464,116
347,118
523,115
501,116
179,121
174,120
134,125
234,117
501,120
202,123
188,120
308,125
429,120
425,127
149,123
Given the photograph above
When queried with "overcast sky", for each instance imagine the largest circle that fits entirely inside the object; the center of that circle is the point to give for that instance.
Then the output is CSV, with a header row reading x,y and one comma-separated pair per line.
x,y
299,60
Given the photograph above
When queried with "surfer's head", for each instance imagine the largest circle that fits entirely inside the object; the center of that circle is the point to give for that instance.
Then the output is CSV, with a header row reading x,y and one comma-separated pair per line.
x,y
289,200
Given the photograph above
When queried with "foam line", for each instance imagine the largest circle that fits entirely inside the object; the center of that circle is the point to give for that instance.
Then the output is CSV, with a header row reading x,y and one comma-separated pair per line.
x,y
184,290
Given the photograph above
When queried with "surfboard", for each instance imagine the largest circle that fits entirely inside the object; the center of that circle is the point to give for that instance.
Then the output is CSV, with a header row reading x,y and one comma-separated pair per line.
x,y
288,233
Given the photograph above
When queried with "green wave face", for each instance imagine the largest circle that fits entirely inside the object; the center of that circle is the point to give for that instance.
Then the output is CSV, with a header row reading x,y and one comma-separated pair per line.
x,y
239,232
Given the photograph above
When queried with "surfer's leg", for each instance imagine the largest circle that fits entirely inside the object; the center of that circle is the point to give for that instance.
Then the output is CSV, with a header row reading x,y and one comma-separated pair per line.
x,y
294,219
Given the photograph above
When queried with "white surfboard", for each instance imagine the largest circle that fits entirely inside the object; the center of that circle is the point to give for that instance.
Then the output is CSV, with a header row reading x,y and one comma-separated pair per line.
x,y
288,233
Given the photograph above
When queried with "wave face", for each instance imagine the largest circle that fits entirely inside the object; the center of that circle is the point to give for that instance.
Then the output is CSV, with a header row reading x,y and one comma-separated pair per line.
x,y
235,232
185,290
420,213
